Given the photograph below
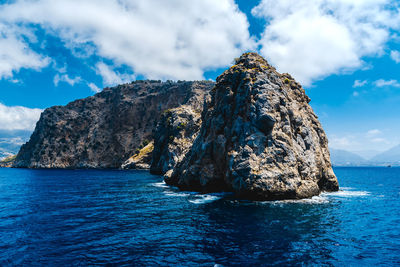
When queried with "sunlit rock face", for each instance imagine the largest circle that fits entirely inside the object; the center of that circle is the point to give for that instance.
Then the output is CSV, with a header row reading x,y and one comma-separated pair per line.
x,y
259,138
107,129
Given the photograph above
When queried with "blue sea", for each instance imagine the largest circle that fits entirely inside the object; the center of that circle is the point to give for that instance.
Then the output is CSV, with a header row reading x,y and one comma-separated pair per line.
x,y
88,217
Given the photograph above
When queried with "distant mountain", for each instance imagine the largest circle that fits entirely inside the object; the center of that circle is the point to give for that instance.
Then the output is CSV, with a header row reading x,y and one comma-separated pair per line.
x,y
391,156
11,141
341,157
4,154
367,154
345,158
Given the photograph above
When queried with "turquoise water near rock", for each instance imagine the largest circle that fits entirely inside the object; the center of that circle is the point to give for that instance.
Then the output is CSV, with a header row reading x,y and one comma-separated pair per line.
x,y
90,217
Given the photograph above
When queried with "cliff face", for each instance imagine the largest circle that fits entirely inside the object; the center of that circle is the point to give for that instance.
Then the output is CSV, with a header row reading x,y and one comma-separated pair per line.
x,y
259,138
105,130
176,132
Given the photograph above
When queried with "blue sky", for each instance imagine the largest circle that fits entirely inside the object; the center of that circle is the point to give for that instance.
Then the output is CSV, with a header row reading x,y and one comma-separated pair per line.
x,y
346,53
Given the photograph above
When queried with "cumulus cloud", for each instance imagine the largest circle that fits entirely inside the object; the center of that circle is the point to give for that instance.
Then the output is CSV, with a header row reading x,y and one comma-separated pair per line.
x,y
385,83
65,78
359,83
159,39
395,56
313,39
15,52
94,87
18,118
111,77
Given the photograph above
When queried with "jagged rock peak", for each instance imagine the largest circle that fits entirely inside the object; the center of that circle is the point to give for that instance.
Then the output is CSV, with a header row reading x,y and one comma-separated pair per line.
x,y
251,60
259,138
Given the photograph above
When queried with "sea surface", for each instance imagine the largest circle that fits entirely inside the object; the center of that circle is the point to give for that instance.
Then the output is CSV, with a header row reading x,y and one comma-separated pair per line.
x,y
67,217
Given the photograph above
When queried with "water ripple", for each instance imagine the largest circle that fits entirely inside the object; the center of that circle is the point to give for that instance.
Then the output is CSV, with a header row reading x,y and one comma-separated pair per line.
x,y
127,218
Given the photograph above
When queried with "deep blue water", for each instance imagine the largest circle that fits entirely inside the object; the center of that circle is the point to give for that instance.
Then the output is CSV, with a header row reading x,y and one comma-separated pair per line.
x,y
60,217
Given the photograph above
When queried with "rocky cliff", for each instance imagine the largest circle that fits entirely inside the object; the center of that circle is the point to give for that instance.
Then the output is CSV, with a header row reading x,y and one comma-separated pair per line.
x,y
175,133
252,133
259,138
107,129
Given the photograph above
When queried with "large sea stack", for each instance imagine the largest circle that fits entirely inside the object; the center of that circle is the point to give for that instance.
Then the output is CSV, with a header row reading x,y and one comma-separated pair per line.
x,y
259,138
111,129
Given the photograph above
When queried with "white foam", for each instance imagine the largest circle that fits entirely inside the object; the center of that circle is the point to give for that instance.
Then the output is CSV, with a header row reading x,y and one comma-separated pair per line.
x,y
323,198
203,199
314,200
176,194
191,192
160,184
346,188
346,193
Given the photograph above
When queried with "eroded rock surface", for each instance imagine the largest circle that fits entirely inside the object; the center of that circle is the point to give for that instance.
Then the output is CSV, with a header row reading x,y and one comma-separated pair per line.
x,y
105,130
259,138
141,160
176,132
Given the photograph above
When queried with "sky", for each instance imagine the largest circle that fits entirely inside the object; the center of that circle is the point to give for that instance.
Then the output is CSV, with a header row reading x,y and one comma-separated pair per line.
x,y
345,53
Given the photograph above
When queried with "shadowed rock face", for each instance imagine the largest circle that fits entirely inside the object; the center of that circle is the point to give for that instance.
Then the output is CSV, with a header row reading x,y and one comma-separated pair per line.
x,y
259,138
104,130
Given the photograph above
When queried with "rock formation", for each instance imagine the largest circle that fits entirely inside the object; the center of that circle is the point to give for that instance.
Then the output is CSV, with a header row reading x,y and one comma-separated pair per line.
x,y
176,132
259,138
253,133
105,130
141,159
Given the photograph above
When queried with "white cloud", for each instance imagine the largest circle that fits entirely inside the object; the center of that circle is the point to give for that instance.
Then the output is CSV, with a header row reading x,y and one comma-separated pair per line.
x,y
177,39
59,69
313,39
395,56
15,81
361,141
355,93
341,142
359,83
18,141
111,77
65,78
94,87
379,140
18,118
384,83
15,52
375,136
373,132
